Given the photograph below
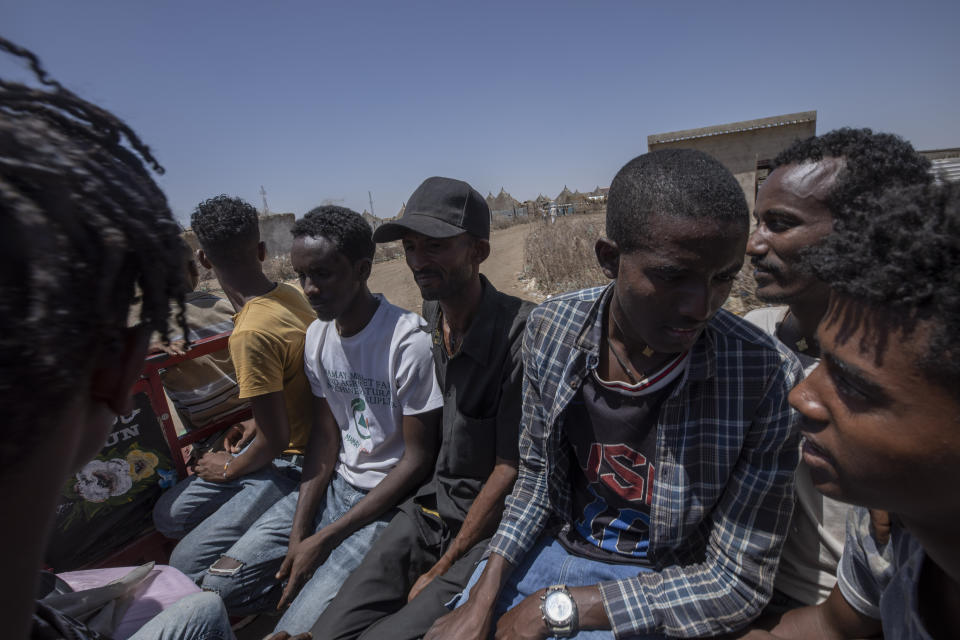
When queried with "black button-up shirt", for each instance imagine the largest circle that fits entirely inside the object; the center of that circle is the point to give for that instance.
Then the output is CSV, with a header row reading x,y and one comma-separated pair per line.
x,y
482,402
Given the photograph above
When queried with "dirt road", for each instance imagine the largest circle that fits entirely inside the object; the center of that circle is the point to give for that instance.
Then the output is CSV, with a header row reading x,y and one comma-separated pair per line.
x,y
502,268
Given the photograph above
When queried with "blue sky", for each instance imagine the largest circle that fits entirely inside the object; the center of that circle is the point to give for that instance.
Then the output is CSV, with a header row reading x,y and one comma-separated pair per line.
x,y
323,102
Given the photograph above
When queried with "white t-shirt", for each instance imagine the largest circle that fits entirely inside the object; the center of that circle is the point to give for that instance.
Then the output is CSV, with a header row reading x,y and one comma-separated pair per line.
x,y
371,380
814,543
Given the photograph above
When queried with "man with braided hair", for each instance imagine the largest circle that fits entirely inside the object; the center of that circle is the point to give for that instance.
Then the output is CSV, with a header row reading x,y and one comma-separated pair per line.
x,y
811,184
83,228
880,416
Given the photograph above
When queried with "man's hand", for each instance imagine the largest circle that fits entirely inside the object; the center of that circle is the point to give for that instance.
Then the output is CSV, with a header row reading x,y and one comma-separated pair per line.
x,y
524,621
211,465
469,622
283,635
239,435
174,348
301,561
435,571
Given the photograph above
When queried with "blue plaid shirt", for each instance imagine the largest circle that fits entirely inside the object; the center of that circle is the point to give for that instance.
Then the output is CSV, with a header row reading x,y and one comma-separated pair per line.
x,y
726,454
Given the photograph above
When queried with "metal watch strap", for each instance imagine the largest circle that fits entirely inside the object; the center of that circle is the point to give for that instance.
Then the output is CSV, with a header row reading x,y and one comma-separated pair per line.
x,y
560,631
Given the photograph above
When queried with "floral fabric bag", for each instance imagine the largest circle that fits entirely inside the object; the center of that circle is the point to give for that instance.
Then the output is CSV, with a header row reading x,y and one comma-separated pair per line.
x,y
109,502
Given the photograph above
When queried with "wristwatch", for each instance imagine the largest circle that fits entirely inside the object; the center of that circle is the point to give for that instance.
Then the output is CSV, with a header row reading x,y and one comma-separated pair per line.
x,y
559,611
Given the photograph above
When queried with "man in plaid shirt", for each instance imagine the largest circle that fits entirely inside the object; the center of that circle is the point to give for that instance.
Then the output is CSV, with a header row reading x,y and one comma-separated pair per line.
x,y
656,454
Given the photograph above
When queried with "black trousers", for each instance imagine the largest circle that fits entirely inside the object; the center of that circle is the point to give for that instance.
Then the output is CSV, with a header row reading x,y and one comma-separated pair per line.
x,y
372,604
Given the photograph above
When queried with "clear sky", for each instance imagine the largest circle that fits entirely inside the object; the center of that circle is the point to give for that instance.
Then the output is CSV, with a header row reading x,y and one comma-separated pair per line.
x,y
325,101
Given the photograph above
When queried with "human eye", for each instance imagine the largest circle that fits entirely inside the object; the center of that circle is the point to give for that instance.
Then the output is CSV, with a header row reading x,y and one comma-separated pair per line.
x,y
777,222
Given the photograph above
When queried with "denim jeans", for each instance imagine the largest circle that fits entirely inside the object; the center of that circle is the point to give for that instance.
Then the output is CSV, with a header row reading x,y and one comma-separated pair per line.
x,y
200,616
209,517
548,563
251,587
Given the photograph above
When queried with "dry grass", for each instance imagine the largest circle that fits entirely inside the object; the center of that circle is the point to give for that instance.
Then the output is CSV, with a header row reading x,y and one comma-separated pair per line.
x,y
279,268
559,256
505,222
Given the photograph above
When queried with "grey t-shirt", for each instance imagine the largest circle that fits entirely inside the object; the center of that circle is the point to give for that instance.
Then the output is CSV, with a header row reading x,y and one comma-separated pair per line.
x,y
880,581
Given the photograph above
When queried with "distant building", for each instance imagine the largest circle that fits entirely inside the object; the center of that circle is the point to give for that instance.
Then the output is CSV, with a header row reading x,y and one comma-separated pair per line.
x,y
745,148
946,163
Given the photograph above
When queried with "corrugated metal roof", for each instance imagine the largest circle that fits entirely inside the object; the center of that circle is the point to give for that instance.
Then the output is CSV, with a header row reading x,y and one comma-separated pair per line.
x,y
733,127
946,169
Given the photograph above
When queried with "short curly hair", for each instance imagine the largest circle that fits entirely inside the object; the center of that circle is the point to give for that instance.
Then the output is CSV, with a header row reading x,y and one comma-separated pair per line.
x,y
675,182
224,223
872,162
893,261
343,227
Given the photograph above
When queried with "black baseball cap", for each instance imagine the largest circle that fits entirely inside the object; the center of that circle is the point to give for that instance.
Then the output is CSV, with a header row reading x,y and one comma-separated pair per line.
x,y
440,208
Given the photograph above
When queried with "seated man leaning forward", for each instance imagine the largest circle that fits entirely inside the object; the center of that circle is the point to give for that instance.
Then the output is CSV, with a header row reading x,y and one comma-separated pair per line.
x,y
880,418
376,413
811,184
212,509
430,549
656,455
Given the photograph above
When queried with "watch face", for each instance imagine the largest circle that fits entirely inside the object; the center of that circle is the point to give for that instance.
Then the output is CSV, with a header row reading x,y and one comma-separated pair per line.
x,y
558,607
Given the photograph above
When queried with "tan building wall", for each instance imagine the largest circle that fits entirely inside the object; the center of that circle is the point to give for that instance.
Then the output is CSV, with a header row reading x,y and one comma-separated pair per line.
x,y
739,145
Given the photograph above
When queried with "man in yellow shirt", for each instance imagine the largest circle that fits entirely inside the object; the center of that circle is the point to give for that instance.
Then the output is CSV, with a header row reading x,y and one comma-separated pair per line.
x,y
212,509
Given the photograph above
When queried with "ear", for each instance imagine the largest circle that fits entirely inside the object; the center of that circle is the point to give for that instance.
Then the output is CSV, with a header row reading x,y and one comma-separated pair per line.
x,y
261,251
117,370
608,255
481,248
363,268
202,259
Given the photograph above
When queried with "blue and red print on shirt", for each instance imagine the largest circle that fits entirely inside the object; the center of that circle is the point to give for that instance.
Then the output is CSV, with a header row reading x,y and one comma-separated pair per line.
x,y
611,428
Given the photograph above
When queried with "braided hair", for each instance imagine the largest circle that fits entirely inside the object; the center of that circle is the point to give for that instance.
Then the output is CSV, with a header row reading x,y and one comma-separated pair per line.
x,y
84,230
893,261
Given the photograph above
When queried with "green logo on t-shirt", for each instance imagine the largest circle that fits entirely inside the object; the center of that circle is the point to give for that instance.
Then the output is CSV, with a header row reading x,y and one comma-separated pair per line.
x,y
359,420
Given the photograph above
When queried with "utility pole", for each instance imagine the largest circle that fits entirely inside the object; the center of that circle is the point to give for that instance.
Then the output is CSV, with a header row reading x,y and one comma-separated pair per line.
x,y
370,195
263,194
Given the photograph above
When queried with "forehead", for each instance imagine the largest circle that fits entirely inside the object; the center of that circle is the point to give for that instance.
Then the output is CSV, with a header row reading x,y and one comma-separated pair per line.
x,y
804,185
312,250
692,242
882,352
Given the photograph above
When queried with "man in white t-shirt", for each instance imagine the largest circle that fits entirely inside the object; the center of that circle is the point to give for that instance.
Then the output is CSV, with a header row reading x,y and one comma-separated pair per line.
x,y
805,195
376,411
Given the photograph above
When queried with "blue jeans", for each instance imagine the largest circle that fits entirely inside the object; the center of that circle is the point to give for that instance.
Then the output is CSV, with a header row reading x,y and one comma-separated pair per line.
x,y
251,587
209,517
548,563
200,616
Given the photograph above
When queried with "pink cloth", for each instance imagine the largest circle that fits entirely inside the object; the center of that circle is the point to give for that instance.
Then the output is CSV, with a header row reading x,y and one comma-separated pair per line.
x,y
164,586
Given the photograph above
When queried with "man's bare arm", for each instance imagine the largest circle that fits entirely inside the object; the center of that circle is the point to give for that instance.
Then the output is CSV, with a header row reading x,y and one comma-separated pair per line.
x,y
273,436
832,619
480,522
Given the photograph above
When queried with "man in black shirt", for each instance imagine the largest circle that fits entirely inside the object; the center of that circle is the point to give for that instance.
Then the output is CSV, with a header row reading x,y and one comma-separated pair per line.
x,y
428,552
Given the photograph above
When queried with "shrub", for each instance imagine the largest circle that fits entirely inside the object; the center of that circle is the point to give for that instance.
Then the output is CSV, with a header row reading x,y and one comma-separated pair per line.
x,y
559,256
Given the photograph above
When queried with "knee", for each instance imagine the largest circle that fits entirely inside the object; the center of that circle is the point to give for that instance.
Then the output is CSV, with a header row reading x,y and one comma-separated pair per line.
x,y
223,579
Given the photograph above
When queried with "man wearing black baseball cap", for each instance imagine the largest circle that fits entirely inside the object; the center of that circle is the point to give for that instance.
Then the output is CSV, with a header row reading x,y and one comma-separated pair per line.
x,y
427,553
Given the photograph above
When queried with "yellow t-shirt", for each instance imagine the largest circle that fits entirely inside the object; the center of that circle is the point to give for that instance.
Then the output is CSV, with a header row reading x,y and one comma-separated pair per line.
x,y
267,351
